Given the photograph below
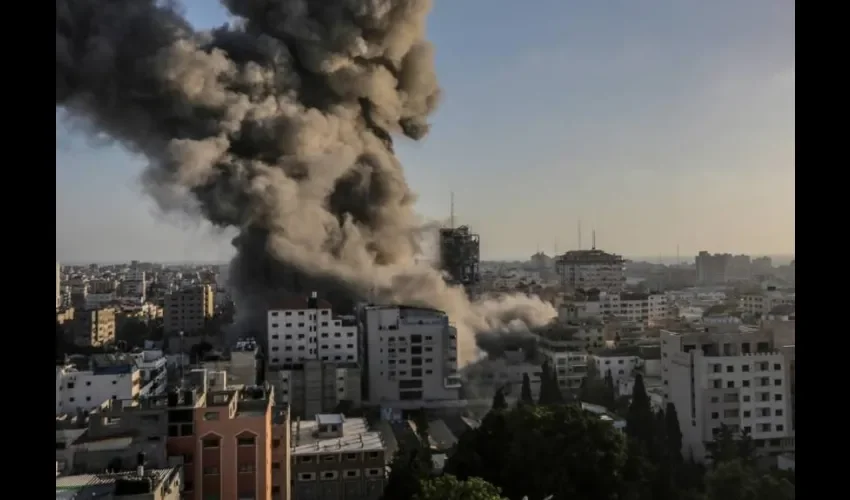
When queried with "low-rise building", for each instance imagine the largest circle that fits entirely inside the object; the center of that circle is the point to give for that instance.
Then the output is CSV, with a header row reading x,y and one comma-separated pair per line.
x,y
88,382
141,484
335,458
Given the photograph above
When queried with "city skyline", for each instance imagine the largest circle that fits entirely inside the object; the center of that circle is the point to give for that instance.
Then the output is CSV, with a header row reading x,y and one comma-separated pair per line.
x,y
697,150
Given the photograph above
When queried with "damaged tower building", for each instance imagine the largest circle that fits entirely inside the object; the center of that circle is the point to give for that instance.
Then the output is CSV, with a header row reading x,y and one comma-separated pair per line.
x,y
460,255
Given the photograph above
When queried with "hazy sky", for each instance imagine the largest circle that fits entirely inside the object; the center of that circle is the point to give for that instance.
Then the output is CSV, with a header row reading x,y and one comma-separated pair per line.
x,y
658,122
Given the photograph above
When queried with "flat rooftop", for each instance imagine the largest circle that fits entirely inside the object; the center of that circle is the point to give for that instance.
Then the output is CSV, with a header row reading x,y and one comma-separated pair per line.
x,y
96,485
356,437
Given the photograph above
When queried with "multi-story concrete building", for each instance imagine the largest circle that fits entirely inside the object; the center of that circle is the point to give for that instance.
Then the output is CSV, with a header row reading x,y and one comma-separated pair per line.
x,y
591,270
761,303
93,327
335,458
725,373
134,285
712,269
621,363
412,357
649,309
188,309
568,360
141,484
312,356
311,387
302,329
102,377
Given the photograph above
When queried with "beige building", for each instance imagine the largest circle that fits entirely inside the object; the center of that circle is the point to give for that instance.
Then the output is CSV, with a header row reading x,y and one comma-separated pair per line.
x,y
724,373
189,309
93,327
335,458
313,387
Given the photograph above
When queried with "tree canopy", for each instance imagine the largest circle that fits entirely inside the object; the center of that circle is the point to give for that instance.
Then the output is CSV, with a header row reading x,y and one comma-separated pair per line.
x,y
543,450
450,488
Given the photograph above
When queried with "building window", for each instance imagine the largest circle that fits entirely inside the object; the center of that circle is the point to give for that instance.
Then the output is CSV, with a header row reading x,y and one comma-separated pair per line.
x,y
246,468
329,475
211,442
307,476
276,443
245,441
305,460
373,472
351,457
715,415
210,471
352,473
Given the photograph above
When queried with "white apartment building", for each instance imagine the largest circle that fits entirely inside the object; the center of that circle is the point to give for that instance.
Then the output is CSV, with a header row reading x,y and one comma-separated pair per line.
x,y
591,269
763,302
569,362
152,367
109,376
733,376
411,357
302,329
649,309
622,366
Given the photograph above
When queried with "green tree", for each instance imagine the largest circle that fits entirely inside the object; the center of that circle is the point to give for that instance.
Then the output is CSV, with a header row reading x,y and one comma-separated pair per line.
x,y
724,448
609,391
525,396
674,433
550,393
449,488
640,422
543,450
499,402
735,480
411,465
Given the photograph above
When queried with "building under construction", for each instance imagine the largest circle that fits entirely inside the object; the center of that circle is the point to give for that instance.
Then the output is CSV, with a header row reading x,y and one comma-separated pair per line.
x,y
460,255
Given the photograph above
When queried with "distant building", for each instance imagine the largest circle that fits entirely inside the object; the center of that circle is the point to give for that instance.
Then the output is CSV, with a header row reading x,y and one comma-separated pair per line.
x,y
712,269
335,458
311,387
649,309
188,310
412,357
93,327
591,270
58,286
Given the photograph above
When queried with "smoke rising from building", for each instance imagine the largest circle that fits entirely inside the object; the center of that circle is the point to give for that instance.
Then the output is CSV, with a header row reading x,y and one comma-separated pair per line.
x,y
279,125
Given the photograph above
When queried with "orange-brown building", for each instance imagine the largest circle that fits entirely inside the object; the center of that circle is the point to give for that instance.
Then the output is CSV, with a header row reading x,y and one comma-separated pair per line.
x,y
231,441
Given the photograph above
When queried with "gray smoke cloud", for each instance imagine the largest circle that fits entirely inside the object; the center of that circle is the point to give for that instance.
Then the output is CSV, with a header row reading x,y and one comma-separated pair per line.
x,y
279,125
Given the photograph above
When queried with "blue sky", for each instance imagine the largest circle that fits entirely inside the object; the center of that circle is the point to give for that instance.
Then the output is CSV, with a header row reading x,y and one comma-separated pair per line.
x,y
656,122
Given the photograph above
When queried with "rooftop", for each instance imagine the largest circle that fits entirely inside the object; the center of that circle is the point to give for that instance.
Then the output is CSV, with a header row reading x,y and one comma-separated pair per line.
x,y
299,302
356,437
101,485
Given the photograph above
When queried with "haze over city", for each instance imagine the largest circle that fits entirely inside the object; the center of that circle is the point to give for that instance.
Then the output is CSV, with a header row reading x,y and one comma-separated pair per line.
x,y
657,123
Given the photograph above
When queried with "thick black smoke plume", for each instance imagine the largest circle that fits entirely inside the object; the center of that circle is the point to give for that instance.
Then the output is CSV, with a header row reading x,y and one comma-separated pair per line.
x,y
281,126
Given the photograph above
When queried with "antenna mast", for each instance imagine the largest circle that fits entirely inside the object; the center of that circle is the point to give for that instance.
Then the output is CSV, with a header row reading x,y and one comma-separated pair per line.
x,y
593,239
452,211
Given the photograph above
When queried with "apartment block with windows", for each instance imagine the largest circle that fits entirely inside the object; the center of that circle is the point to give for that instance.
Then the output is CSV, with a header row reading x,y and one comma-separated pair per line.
x,y
302,329
188,309
412,357
93,327
336,458
732,375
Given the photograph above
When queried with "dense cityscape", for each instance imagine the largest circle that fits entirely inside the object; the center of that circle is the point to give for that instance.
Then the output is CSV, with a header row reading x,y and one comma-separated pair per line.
x,y
347,344
326,398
